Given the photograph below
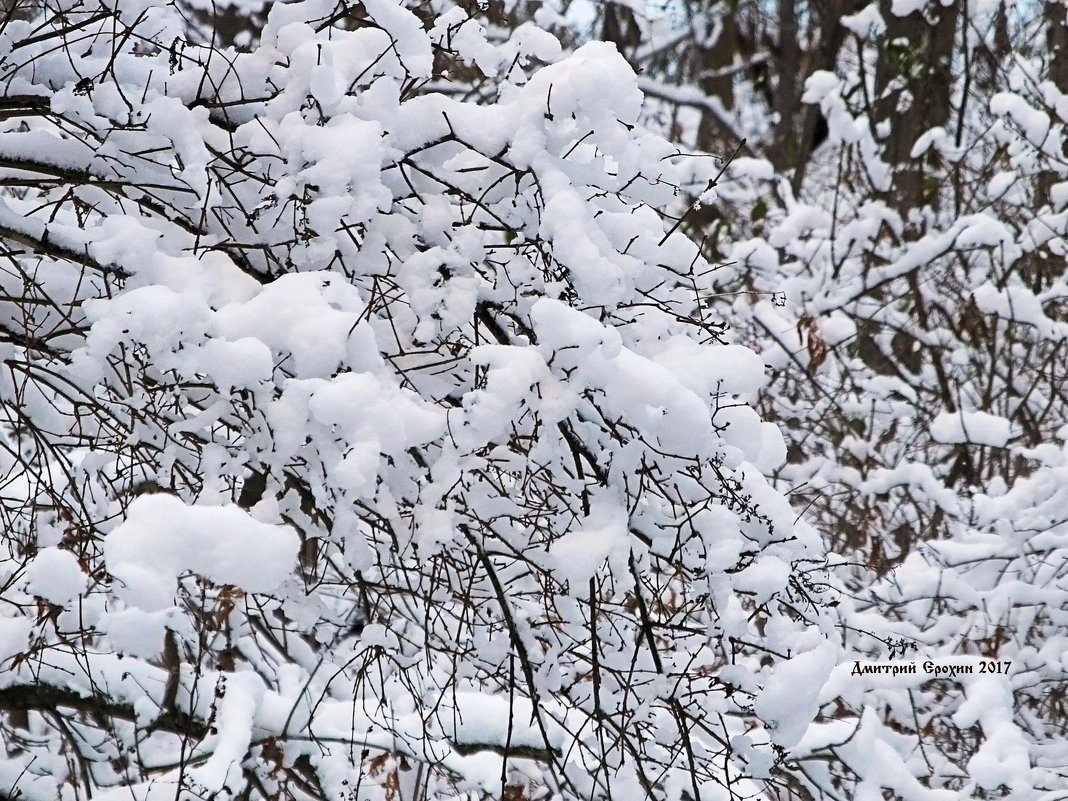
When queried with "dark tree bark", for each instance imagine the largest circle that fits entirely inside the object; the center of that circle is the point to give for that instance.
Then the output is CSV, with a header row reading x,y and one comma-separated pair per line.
x,y
913,83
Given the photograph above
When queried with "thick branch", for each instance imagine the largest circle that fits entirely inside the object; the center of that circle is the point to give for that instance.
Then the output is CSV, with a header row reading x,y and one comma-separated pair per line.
x,y
44,697
41,243
23,106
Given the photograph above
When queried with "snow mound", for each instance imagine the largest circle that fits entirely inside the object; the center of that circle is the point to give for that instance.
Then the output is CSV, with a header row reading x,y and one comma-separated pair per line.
x,y
783,701
56,576
979,428
162,537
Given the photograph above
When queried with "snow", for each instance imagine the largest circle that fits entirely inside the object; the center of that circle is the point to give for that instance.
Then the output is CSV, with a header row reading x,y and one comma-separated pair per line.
x,y
1059,195
493,720
240,696
740,427
663,409
764,578
710,370
789,701
1001,183
413,47
162,537
819,85
867,23
15,635
837,328
748,167
980,428
755,253
932,139
1002,759
1035,124
310,317
56,576
772,453
1018,303
600,541
902,8
135,631
246,362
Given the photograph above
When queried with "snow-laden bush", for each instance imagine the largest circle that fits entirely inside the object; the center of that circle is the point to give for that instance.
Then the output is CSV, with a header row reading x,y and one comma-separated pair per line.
x,y
365,441
917,367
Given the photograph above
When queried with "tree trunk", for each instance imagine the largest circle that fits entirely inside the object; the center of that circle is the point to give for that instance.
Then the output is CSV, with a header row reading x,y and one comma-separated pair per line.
x,y
913,82
715,54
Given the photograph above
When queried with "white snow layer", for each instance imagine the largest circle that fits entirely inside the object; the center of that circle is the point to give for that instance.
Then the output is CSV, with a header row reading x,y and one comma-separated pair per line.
x,y
162,538
783,702
56,576
979,428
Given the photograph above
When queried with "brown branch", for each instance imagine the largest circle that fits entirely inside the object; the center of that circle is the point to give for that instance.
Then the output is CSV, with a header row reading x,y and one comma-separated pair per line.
x,y
45,697
44,246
